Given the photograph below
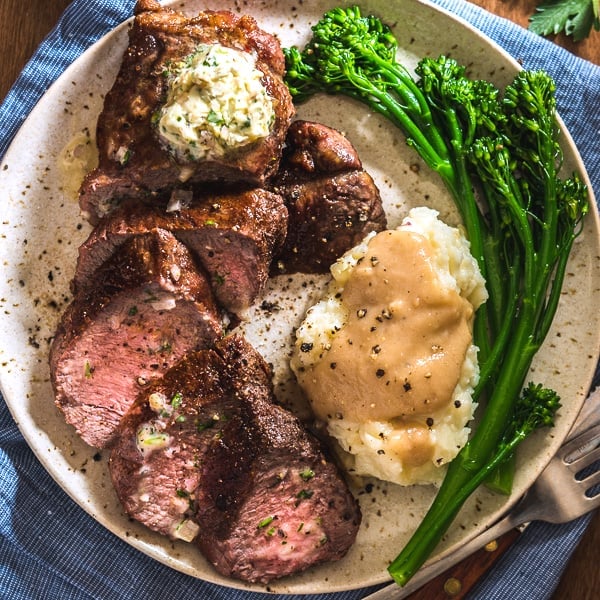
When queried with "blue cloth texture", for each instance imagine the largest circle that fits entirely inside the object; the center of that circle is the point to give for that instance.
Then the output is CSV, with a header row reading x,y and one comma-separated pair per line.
x,y
50,548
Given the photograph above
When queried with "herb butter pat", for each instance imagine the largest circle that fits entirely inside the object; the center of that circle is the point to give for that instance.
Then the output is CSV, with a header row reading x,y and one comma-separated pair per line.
x,y
216,102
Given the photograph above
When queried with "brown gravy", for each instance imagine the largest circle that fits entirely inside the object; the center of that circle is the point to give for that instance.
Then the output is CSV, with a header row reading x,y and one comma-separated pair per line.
x,y
401,351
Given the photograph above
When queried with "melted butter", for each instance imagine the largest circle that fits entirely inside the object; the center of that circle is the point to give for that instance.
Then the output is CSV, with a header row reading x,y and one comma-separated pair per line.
x,y
77,158
400,353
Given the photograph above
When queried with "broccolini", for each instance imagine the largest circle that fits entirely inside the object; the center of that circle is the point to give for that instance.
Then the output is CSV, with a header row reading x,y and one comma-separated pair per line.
x,y
499,157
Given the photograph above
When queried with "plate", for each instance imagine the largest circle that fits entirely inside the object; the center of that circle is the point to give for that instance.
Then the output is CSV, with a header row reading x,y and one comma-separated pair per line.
x,y
41,230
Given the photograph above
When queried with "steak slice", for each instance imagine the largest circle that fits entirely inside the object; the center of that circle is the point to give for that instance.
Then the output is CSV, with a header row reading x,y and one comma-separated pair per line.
x,y
332,202
155,462
132,162
148,306
269,503
233,236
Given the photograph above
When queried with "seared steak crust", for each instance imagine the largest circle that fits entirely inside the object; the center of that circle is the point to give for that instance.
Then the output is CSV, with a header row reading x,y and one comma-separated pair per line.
x,y
147,307
233,236
269,503
131,161
332,202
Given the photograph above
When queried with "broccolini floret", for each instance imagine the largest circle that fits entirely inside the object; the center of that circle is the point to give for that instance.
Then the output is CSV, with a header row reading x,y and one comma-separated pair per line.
x,y
534,409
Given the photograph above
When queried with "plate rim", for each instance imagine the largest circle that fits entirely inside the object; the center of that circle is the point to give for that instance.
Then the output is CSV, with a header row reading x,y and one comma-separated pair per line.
x,y
107,39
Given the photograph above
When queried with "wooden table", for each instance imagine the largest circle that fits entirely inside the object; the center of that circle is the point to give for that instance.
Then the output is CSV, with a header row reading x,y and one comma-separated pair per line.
x,y
24,25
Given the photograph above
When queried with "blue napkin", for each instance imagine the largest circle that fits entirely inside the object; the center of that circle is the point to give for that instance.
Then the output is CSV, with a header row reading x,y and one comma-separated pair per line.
x,y
50,548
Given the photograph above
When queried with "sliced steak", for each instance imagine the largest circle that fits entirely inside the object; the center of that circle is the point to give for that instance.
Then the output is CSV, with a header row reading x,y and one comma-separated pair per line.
x,y
205,455
234,236
332,202
132,162
269,503
155,462
149,305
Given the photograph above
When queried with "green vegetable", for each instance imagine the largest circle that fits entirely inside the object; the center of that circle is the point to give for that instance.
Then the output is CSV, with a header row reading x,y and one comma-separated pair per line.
x,y
176,400
521,230
572,17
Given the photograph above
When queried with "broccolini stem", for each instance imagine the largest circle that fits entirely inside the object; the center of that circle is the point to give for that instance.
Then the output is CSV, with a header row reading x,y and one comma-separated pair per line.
x,y
537,407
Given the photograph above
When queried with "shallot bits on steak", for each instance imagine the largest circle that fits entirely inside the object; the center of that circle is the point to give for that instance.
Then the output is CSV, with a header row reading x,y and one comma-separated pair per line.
x,y
159,126
205,455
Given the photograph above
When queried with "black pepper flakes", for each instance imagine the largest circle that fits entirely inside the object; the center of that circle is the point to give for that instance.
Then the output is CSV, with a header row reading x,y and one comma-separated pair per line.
x,y
429,422
379,373
306,347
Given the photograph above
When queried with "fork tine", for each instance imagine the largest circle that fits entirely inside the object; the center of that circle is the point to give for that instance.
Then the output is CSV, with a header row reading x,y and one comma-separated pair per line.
x,y
572,449
590,481
584,460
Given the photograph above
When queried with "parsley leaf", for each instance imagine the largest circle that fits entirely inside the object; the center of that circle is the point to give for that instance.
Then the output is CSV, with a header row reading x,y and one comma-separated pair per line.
x,y
573,17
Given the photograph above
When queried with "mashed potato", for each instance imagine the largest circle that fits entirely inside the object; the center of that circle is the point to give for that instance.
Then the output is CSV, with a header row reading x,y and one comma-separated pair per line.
x,y
386,358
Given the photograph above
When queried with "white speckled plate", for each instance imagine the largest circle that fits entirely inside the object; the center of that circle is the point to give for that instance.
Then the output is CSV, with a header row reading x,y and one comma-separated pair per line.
x,y
41,229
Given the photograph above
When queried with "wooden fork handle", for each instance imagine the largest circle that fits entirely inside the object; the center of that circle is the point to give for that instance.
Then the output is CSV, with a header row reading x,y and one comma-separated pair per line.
x,y
458,580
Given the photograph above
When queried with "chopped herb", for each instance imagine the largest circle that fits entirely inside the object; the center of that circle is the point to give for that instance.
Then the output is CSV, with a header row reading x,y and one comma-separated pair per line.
x,y
133,311
89,371
214,117
183,493
307,474
125,158
266,521
304,494
176,400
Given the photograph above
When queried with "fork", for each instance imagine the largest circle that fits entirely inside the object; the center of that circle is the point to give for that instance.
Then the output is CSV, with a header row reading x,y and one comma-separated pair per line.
x,y
562,492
